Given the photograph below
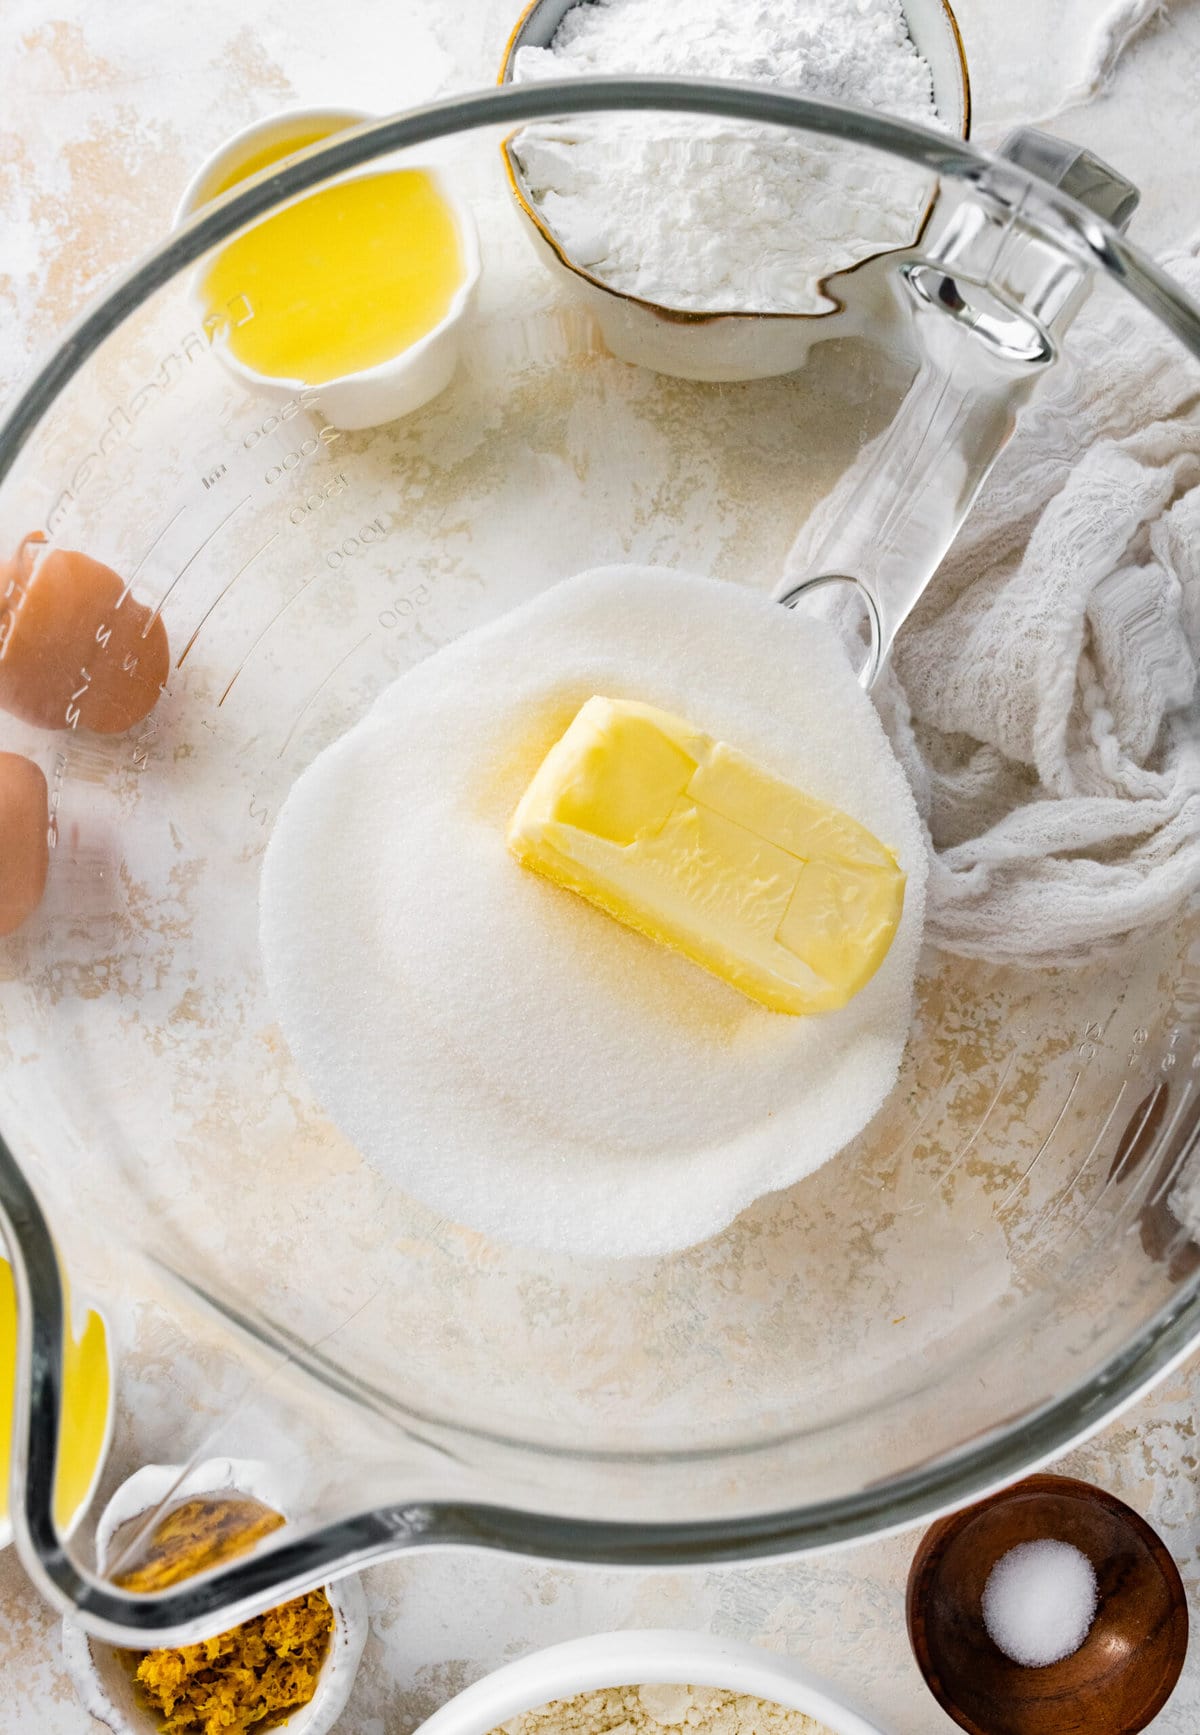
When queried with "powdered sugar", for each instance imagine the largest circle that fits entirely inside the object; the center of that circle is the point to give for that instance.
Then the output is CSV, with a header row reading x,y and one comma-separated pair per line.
x,y
497,1047
701,214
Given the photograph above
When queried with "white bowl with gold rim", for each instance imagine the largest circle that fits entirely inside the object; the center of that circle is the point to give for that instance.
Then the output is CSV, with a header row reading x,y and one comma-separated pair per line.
x,y
725,346
102,1674
418,372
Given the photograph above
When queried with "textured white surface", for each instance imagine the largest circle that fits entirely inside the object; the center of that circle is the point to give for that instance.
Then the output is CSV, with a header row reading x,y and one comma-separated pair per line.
x,y
106,109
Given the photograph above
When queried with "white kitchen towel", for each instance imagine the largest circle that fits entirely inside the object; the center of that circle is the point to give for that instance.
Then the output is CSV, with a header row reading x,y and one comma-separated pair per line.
x,y
1044,696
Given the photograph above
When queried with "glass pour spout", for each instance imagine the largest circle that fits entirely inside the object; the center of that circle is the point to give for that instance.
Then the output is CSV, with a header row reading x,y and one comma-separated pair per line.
x,y
989,301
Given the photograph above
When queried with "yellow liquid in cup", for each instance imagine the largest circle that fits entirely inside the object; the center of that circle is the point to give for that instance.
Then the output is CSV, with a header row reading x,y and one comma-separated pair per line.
x,y
87,1399
275,151
344,279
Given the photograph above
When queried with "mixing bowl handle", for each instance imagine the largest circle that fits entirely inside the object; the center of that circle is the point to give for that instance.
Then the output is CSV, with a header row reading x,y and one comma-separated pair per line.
x,y
989,300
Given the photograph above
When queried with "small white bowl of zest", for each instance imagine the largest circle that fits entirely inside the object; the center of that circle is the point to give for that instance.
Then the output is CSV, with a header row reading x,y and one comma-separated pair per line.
x,y
646,1659
254,297
102,1675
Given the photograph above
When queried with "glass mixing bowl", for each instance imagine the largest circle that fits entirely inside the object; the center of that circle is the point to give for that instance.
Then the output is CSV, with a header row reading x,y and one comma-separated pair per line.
x,y
990,1270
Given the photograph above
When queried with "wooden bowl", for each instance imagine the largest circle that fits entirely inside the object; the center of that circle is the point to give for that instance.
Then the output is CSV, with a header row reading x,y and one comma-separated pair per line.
x,y
1125,1670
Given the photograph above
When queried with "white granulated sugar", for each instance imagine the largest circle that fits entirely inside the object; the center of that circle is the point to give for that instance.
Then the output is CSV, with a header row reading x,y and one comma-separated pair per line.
x,y
495,1045
650,1710
714,215
1039,1602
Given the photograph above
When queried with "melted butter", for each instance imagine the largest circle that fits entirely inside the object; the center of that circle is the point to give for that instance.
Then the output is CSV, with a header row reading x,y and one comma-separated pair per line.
x,y
277,151
86,1400
343,280
686,840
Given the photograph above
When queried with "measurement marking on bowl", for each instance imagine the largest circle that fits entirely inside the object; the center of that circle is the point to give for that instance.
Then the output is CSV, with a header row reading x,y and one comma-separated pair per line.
x,y
404,607
1041,1150
358,543
1129,1154
1113,1181
318,690
1177,1163
221,595
966,1149
1052,1210
161,604
1126,1219
935,1100
277,616
1077,1229
142,743
149,551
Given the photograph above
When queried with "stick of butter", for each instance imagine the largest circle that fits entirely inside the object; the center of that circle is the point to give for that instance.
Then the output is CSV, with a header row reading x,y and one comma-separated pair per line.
x,y
691,843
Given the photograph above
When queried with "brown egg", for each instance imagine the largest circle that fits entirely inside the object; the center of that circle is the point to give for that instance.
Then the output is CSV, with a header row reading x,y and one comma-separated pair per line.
x,y
76,652
24,839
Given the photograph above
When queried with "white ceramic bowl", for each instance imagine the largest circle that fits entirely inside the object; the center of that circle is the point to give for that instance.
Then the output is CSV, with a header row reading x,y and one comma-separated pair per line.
x,y
285,130
101,1675
644,1659
727,347
408,380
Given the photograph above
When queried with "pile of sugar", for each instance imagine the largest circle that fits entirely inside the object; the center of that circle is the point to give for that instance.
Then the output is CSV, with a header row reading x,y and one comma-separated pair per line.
x,y
651,1709
496,1046
716,215
1039,1602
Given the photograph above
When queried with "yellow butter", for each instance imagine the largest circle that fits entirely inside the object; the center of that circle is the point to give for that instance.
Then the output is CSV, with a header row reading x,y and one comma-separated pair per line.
x,y
691,843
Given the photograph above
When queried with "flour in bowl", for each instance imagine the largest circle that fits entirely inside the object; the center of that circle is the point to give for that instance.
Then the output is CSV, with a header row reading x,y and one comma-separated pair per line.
x,y
704,214
497,1047
651,1710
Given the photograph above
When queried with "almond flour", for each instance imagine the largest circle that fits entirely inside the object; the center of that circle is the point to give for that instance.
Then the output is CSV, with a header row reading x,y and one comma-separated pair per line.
x,y
648,1710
